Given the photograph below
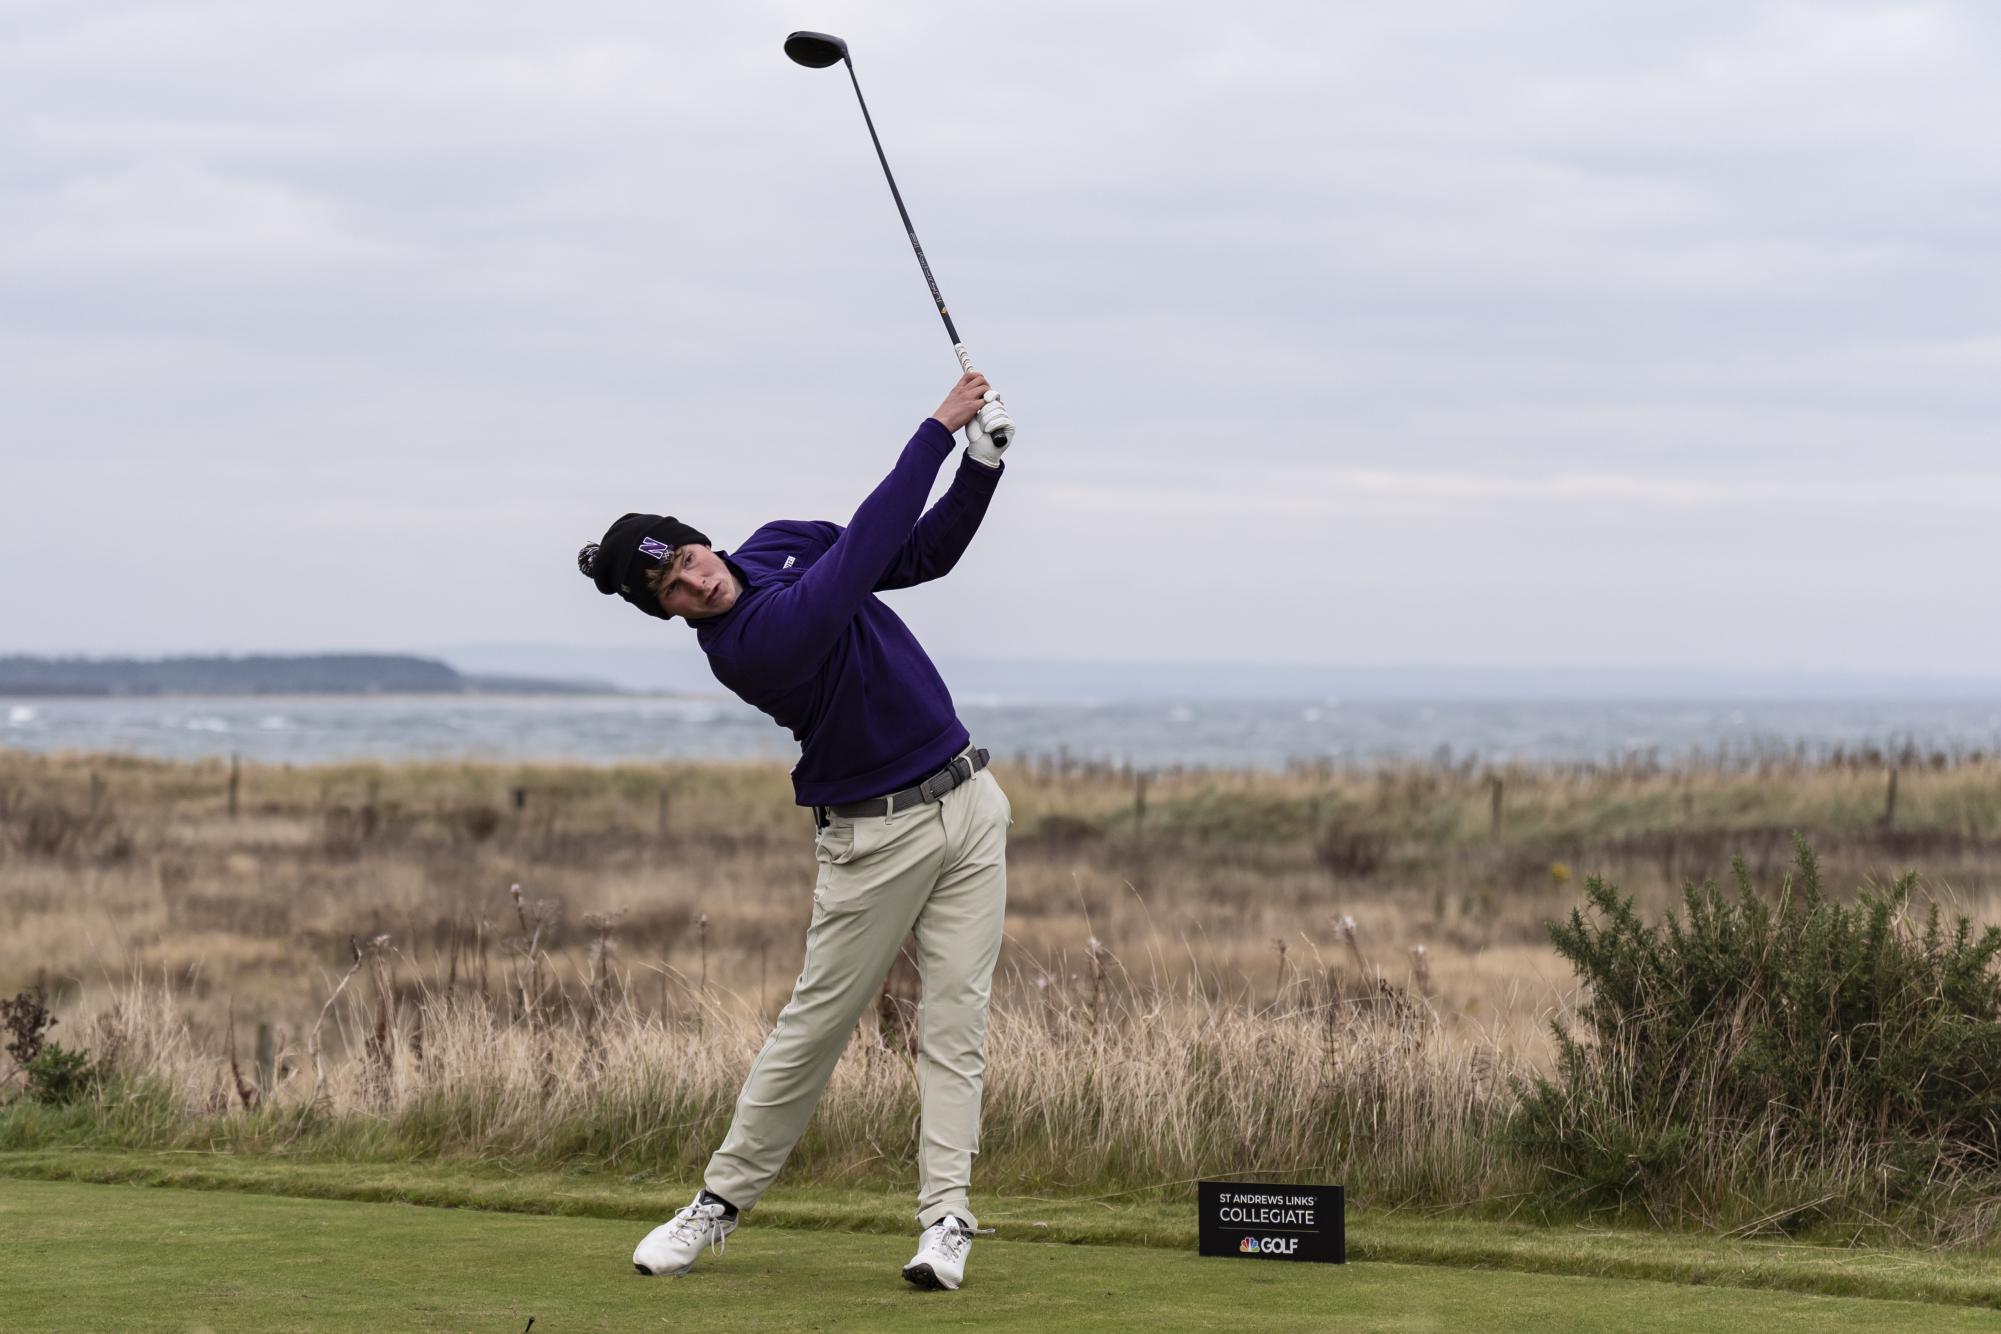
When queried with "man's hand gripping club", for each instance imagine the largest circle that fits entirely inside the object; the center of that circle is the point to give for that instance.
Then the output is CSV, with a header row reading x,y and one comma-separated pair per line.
x,y
974,405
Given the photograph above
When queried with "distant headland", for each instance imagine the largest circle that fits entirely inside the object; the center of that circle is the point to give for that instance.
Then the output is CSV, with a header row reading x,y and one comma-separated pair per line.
x,y
304,674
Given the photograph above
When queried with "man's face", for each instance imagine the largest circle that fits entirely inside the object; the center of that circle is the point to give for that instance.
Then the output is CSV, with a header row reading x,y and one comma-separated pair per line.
x,y
697,584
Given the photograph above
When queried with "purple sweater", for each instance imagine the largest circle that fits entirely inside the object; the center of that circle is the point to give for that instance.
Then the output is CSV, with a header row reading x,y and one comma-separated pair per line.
x,y
809,643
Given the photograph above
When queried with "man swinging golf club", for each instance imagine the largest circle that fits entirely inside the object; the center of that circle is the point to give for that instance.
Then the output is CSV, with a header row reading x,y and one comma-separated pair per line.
x,y
912,826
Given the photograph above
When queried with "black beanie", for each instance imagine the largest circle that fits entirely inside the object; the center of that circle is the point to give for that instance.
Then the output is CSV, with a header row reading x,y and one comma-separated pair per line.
x,y
632,546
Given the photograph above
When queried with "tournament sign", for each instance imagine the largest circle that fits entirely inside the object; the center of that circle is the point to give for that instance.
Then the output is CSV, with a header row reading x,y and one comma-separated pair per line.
x,y
1252,1220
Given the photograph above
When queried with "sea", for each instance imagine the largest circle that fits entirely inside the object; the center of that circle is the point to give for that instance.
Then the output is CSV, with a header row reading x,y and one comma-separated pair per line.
x,y
1211,733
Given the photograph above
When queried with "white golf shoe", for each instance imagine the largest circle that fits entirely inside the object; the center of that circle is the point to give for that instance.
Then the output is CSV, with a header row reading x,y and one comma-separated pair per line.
x,y
674,1246
940,1261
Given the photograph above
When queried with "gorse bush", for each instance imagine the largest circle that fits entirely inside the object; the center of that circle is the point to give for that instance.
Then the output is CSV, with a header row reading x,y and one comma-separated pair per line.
x,y
1792,1049
59,1076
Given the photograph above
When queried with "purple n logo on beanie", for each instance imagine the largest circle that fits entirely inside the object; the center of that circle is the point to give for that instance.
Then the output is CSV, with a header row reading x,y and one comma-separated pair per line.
x,y
654,547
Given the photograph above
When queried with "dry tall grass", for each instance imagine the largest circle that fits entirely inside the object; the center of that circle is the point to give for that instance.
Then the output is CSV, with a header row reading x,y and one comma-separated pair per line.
x,y
1110,1090
108,864
1323,973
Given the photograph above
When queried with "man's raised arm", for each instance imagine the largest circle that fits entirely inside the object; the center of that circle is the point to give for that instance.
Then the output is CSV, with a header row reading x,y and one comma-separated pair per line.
x,y
947,528
794,627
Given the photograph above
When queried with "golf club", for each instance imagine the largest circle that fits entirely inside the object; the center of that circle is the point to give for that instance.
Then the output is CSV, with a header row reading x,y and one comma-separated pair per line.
x,y
817,50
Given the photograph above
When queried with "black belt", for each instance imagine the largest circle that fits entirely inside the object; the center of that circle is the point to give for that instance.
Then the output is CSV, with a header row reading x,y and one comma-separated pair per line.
x,y
960,770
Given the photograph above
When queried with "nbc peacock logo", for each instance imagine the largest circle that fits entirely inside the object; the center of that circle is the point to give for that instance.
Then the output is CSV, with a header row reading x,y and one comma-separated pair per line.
x,y
1249,1245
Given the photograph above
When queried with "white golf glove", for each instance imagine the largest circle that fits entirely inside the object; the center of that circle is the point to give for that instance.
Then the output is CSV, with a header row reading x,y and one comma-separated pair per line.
x,y
990,432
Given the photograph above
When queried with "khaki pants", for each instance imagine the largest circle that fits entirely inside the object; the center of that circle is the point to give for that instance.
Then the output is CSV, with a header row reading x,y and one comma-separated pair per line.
x,y
938,870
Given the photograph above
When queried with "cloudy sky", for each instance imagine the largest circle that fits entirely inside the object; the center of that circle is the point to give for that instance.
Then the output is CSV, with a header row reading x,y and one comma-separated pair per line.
x,y
1516,333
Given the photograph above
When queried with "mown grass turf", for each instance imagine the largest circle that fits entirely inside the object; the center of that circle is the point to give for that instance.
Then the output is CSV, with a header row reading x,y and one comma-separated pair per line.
x,y
87,1257
1966,1278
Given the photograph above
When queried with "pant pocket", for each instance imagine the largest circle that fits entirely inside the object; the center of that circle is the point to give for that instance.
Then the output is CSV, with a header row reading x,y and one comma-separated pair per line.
x,y
1006,806
842,851
835,845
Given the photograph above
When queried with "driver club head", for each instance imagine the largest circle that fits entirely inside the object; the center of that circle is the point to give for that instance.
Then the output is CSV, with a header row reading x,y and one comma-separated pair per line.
x,y
816,50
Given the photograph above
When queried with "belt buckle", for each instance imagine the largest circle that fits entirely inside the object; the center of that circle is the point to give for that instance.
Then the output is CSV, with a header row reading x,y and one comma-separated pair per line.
x,y
938,784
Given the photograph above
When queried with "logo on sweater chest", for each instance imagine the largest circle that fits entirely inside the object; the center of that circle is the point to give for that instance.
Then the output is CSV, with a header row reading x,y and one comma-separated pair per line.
x,y
790,561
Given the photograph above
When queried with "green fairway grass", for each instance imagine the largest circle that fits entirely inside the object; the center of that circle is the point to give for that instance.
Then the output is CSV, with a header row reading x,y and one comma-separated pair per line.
x,y
89,1257
1970,1277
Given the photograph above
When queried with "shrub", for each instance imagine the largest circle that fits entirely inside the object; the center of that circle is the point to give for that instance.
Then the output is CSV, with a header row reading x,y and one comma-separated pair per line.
x,y
1745,1048
50,830
59,1077
1349,850
56,1076
27,1022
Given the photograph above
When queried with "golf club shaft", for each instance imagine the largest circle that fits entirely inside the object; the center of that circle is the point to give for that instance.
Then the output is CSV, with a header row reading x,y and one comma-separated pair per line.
x,y
901,211
991,430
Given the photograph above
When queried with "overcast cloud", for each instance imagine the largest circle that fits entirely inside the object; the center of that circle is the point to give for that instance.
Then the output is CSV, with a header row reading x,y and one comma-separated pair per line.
x,y
1537,332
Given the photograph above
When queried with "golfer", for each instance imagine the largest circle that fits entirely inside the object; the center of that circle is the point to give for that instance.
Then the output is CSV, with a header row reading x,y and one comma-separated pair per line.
x,y
912,826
